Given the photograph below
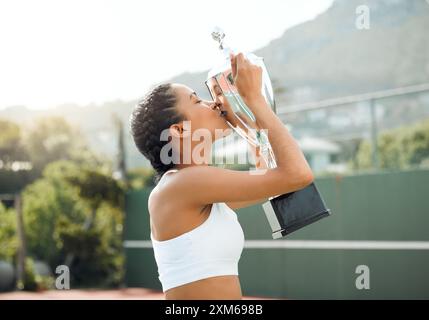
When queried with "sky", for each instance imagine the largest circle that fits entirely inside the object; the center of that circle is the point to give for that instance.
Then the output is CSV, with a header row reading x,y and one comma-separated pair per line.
x,y
54,52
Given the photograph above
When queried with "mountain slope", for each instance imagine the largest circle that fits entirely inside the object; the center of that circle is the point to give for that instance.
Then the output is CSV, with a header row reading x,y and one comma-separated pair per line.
x,y
329,56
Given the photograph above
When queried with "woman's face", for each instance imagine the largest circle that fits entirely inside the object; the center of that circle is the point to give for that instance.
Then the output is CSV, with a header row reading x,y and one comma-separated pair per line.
x,y
202,114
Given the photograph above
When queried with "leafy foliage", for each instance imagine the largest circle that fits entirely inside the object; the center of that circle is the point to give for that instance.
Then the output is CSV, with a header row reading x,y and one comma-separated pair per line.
x,y
8,240
399,148
11,147
56,209
53,139
72,205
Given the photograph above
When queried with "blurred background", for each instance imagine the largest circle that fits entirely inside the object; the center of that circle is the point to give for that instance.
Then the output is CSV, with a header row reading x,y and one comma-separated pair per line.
x,y
351,82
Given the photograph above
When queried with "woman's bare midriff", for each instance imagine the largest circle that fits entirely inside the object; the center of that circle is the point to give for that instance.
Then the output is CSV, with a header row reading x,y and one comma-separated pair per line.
x,y
213,288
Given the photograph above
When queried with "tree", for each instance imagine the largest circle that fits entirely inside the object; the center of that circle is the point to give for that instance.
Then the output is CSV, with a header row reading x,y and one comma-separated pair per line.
x,y
52,139
398,148
11,148
8,239
79,214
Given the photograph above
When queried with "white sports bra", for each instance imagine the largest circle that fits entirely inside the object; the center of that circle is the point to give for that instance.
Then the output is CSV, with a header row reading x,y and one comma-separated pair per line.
x,y
211,249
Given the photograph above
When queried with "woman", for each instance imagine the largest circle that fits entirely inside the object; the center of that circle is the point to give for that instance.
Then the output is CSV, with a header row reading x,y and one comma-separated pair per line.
x,y
196,236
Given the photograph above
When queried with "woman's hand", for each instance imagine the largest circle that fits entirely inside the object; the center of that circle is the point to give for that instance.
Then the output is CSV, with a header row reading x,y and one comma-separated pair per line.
x,y
247,79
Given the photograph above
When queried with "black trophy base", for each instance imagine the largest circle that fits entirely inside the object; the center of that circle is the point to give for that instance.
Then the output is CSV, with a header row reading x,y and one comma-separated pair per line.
x,y
292,211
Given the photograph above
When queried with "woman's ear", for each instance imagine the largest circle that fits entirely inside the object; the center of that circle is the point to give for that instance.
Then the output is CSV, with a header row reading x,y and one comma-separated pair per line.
x,y
176,130
179,131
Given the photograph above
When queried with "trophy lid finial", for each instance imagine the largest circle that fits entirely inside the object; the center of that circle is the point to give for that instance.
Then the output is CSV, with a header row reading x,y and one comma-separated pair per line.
x,y
218,35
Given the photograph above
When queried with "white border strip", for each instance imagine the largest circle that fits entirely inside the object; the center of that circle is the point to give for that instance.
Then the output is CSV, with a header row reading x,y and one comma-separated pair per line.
x,y
133,244
313,244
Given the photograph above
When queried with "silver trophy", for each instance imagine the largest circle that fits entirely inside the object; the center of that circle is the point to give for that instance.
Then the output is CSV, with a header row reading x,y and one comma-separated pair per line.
x,y
285,213
221,87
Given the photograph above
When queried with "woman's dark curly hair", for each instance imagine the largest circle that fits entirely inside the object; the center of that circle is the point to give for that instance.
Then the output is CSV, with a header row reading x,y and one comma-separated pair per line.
x,y
154,113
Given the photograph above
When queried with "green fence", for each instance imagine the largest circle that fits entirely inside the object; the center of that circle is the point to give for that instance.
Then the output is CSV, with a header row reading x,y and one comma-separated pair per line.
x,y
14,181
379,220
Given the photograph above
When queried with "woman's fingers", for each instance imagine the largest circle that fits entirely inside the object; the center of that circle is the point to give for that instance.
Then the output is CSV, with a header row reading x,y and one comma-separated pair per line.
x,y
233,64
240,60
247,76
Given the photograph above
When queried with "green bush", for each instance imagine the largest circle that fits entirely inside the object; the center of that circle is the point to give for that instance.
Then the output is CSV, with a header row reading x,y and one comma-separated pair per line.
x,y
76,211
30,283
33,281
73,209
398,148
96,259
140,178
8,239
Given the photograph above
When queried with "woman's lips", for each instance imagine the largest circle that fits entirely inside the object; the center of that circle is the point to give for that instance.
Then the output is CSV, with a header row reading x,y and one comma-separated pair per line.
x,y
217,107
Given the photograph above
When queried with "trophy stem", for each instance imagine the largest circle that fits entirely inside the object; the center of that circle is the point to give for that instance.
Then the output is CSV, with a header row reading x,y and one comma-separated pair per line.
x,y
266,150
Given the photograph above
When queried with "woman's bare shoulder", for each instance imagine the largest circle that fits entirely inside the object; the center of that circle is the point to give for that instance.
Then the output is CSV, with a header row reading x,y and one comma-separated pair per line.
x,y
162,198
